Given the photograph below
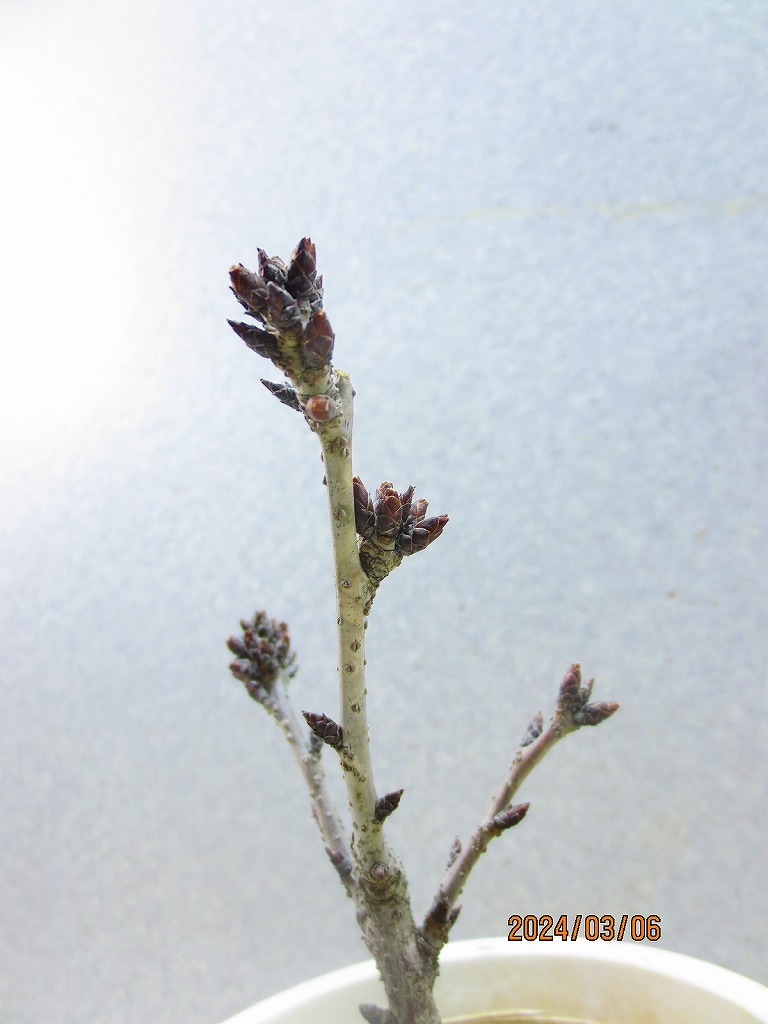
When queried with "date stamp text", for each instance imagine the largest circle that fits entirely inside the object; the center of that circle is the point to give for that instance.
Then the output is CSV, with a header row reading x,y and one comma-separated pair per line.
x,y
545,928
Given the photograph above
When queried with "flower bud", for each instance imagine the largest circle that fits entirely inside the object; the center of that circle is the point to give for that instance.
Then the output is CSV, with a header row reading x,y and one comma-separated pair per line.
x,y
256,338
405,501
302,269
569,688
250,290
422,535
241,669
317,343
282,311
594,714
365,518
389,511
263,652
236,645
271,268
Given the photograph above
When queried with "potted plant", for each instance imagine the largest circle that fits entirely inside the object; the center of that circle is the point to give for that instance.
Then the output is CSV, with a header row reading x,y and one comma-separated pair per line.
x,y
372,533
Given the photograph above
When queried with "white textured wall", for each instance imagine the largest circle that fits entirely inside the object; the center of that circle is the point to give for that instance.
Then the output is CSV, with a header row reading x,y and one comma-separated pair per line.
x,y
543,234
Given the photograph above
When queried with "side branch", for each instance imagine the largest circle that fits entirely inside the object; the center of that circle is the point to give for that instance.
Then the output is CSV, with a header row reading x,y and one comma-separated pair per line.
x,y
265,663
323,811
572,711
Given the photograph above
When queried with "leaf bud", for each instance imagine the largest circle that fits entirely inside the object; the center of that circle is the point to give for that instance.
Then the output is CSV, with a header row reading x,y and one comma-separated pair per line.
x,y
341,862
509,818
594,714
320,408
455,851
385,805
376,1014
324,727
533,731
283,393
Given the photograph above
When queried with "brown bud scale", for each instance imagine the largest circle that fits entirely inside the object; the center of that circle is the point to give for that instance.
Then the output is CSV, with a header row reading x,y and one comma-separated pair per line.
x,y
283,393
317,341
510,817
376,1014
320,408
534,730
385,805
594,714
324,727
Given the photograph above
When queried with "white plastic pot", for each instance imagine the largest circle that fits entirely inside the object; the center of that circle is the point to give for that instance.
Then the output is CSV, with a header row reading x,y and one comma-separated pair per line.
x,y
609,983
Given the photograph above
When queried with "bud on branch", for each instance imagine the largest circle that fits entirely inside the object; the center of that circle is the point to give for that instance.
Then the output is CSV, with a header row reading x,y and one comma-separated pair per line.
x,y
325,728
385,805
263,651
573,698
395,520
509,818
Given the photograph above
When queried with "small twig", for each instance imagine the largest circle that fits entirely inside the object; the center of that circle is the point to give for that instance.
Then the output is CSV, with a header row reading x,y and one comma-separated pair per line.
x,y
311,768
571,713
265,664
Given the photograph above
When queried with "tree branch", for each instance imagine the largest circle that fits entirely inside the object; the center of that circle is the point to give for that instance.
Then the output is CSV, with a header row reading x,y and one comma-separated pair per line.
x,y
571,713
311,768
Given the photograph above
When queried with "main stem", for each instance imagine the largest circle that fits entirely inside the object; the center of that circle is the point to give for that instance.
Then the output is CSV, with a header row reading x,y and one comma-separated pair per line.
x,y
407,964
353,590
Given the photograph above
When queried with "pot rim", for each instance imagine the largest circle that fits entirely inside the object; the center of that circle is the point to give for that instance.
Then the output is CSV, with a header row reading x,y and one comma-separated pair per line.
x,y
749,995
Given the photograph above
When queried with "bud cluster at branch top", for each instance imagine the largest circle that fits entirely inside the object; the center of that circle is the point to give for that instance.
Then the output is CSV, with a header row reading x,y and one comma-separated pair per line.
x,y
573,700
286,300
263,651
395,521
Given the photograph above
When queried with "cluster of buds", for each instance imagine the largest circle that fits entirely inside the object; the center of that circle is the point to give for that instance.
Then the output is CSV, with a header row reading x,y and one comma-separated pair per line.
x,y
263,651
287,303
573,700
395,521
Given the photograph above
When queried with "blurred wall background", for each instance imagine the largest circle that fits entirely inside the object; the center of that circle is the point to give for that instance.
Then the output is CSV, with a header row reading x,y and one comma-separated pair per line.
x,y
542,229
